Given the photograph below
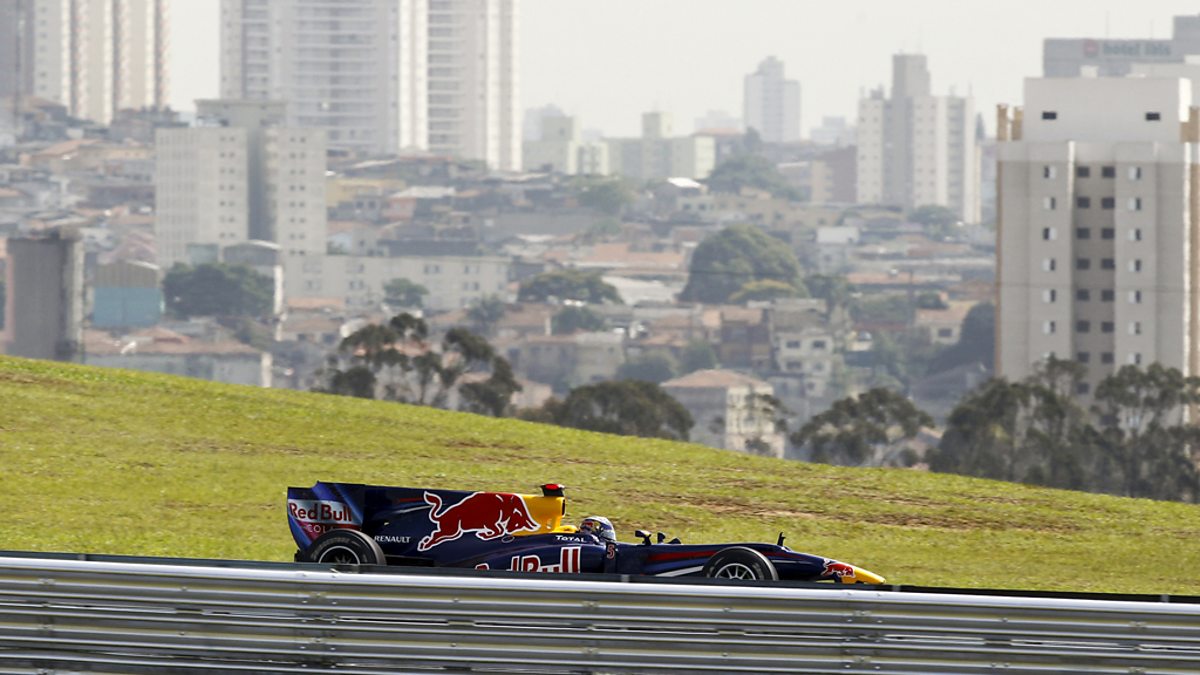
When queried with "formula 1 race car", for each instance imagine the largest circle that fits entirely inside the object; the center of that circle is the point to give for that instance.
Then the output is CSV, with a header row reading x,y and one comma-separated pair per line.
x,y
347,523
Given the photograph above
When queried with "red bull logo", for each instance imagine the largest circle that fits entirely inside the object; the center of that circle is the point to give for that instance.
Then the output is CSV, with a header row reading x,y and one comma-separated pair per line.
x,y
487,515
837,569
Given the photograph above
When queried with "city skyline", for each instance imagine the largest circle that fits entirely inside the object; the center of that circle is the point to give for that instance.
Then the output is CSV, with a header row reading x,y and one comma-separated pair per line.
x,y
990,52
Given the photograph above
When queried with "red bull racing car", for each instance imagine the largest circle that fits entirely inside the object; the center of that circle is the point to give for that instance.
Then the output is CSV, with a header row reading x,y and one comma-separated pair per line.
x,y
347,523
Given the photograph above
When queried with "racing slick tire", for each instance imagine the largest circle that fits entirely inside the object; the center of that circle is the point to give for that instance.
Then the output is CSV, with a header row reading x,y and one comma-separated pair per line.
x,y
739,562
344,547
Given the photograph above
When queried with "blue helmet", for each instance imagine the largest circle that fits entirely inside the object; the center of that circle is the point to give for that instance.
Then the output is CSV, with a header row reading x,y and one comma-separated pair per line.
x,y
600,527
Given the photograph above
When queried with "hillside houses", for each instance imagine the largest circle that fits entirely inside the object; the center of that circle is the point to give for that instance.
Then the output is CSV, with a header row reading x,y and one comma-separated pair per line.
x,y
468,236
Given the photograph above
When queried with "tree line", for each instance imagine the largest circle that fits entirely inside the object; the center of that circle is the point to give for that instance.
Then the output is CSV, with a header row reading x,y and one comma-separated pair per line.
x,y
1137,440
398,361
1134,440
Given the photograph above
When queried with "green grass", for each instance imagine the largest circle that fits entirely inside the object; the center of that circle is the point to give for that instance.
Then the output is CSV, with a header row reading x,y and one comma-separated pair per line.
x,y
111,461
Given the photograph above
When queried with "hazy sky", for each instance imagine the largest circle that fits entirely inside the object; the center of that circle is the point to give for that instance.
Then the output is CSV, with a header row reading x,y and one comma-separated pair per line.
x,y
609,61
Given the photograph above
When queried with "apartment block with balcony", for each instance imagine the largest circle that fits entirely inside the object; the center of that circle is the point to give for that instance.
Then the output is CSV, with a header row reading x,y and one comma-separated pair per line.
x,y
916,149
473,81
93,56
454,282
771,103
658,155
1099,226
238,175
352,68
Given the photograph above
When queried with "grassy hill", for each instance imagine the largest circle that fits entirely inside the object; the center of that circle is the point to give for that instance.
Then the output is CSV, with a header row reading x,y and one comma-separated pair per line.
x,y
109,461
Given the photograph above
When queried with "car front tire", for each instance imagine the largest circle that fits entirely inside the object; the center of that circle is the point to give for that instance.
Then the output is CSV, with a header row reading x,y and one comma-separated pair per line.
x,y
739,562
344,547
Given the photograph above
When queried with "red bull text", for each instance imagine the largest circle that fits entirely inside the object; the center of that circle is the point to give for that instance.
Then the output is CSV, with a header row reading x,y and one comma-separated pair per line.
x,y
569,558
317,517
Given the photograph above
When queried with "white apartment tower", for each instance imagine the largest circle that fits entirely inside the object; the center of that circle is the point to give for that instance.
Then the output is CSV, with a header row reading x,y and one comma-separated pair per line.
x,y
144,73
772,103
916,149
353,68
240,174
93,56
10,75
1099,226
383,76
473,84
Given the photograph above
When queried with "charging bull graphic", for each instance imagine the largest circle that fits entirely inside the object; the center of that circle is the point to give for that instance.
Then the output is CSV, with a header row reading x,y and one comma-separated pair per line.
x,y
839,570
488,515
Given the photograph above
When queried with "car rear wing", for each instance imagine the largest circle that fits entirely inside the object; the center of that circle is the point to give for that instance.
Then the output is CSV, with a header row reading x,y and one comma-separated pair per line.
x,y
315,510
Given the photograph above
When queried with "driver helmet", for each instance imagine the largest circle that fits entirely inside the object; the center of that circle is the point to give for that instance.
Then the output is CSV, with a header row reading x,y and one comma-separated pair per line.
x,y
600,527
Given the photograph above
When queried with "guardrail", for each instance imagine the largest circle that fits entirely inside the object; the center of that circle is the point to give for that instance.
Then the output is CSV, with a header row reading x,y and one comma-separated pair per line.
x,y
58,613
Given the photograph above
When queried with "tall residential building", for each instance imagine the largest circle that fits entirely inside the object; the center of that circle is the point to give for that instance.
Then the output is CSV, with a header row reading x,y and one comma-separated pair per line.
x,y
473,84
94,56
917,149
383,76
44,311
1099,226
833,174
561,148
11,20
145,68
238,175
657,154
531,126
10,63
1067,57
772,103
352,68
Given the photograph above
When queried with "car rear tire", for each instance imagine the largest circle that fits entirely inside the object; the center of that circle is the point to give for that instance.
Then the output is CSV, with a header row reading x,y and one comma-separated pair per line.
x,y
739,562
345,547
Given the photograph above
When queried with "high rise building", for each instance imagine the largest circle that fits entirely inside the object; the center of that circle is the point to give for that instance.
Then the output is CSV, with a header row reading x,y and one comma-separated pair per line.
x,y
144,74
657,154
473,84
93,56
45,296
383,76
561,148
833,175
239,174
772,103
531,127
1098,230
11,19
917,149
10,63
353,68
